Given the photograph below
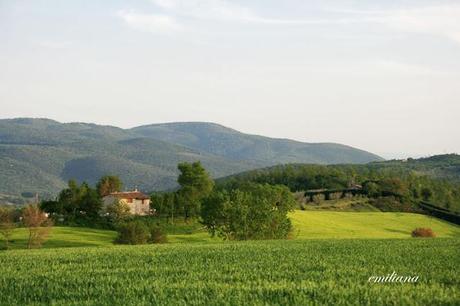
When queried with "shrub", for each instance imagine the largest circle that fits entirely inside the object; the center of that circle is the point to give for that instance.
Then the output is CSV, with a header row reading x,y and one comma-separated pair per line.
x,y
423,232
134,232
38,224
6,225
157,235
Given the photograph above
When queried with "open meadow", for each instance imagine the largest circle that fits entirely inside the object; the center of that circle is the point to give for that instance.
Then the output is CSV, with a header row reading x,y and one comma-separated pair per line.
x,y
196,269
307,225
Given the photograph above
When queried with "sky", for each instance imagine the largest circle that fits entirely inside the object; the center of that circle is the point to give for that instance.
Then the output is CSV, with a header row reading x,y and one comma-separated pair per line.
x,y
383,76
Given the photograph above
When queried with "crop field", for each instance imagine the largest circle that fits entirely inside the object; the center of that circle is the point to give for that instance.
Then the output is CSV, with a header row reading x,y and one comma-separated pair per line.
x,y
301,272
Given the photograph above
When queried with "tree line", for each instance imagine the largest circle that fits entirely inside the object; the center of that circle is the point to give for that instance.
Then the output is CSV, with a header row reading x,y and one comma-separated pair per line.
x,y
250,211
404,185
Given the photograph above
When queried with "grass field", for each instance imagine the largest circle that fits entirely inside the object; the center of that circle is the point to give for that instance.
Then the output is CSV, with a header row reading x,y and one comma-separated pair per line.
x,y
307,225
331,224
196,269
67,237
297,272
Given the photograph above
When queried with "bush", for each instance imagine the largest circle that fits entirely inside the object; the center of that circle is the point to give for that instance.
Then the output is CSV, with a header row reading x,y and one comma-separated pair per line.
x,y
423,232
253,211
134,232
139,232
157,235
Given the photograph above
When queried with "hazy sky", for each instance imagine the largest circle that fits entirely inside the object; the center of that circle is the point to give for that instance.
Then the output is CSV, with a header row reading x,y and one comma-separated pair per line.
x,y
383,76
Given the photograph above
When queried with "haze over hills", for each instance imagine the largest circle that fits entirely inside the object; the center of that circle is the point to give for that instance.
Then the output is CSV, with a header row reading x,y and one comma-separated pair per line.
x,y
40,155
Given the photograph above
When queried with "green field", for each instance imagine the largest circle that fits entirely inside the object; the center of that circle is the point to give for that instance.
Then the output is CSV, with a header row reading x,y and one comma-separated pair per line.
x,y
331,224
307,225
297,272
196,269
67,237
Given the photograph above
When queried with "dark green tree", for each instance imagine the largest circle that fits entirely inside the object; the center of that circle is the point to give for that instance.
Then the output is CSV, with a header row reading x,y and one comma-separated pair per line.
x,y
195,185
165,205
108,184
254,211
426,193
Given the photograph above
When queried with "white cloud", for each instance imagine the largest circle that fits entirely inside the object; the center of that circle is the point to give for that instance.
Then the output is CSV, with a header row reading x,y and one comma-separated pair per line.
x,y
401,68
149,22
207,9
221,10
50,44
433,20
439,20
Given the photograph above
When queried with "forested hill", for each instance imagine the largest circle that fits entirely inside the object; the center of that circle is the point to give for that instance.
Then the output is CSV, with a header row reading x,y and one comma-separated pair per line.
x,y
222,141
435,179
40,155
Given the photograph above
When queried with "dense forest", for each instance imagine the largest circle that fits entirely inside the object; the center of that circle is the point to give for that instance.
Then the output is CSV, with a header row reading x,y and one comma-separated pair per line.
x,y
41,155
434,180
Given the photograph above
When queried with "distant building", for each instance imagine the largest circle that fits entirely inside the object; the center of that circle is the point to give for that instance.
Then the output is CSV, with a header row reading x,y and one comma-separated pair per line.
x,y
138,202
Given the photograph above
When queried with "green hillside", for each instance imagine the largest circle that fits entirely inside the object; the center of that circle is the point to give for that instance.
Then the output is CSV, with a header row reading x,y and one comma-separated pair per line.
x,y
439,166
219,140
40,155
434,179
307,225
330,224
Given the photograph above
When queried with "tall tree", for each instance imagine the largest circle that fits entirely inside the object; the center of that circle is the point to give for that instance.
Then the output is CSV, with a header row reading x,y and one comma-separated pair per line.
x,y
90,202
195,184
108,184
165,205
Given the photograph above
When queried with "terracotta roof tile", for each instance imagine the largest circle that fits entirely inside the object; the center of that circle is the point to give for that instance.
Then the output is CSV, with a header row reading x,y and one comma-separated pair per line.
x,y
130,195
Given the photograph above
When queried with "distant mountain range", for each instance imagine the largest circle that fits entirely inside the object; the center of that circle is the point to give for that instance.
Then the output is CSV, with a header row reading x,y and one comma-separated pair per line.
x,y
40,155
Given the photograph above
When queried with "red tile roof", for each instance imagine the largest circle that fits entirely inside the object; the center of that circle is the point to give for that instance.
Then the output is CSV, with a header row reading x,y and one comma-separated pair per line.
x,y
130,195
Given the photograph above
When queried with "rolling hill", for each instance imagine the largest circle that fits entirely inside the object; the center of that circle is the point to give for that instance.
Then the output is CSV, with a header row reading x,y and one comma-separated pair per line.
x,y
40,155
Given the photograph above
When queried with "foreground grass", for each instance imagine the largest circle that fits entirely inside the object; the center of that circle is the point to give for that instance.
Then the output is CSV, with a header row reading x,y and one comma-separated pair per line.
x,y
300,272
329,224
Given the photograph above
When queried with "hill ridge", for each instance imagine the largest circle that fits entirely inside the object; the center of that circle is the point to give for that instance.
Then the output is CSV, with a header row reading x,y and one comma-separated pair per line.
x,y
145,156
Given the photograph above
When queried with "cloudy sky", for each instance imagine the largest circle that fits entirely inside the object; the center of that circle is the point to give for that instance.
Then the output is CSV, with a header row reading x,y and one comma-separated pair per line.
x,y
383,76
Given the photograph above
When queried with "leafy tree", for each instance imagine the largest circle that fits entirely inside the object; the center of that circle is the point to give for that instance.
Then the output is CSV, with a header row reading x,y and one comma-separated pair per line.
x,y
165,204
52,207
371,189
426,193
108,184
118,211
89,201
393,186
38,224
6,225
254,211
195,184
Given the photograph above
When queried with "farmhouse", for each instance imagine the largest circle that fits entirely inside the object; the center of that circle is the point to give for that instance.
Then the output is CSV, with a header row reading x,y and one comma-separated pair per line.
x,y
138,202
